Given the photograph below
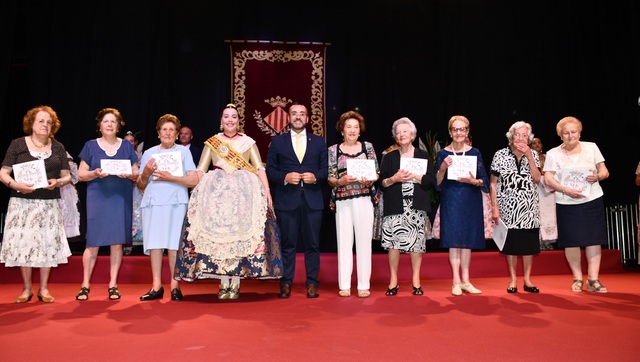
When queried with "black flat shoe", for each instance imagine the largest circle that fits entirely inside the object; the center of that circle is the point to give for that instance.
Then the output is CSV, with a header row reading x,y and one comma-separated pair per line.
x,y
512,290
531,289
153,294
392,291
176,294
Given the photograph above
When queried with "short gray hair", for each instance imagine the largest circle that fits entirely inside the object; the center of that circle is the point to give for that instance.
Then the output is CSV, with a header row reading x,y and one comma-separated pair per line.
x,y
404,120
515,126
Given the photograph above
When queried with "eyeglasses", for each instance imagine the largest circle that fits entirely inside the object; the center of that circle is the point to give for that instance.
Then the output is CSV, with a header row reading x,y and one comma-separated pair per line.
x,y
520,135
458,129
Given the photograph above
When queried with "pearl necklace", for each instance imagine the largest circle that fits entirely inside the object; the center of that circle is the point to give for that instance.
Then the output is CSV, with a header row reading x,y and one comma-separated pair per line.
x,y
453,150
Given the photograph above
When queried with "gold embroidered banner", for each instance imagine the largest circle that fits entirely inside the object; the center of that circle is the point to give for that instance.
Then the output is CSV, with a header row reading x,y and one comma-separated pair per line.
x,y
269,76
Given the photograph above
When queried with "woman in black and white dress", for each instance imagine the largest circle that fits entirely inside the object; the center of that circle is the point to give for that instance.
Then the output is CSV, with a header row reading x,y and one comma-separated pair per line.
x,y
515,173
407,204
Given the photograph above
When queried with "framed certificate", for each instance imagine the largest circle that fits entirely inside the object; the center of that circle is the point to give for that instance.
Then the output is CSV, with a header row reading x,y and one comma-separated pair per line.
x,y
416,166
170,162
361,169
461,166
32,172
576,178
116,167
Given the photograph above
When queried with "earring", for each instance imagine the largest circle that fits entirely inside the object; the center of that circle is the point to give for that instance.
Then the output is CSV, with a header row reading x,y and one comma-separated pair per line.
x,y
221,127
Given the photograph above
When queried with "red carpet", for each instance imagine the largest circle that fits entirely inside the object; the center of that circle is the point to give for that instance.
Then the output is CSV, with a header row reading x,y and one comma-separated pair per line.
x,y
435,265
555,325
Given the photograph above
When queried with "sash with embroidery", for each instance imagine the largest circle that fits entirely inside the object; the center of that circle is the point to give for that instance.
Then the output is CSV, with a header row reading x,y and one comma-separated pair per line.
x,y
227,153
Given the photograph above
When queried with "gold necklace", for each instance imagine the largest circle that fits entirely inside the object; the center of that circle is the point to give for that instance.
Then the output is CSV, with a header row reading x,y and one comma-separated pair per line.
x,y
39,146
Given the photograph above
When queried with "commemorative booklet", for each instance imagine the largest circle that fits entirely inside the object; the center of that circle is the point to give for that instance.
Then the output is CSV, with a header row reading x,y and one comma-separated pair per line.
x,y
32,172
416,166
576,178
462,166
170,162
361,168
116,167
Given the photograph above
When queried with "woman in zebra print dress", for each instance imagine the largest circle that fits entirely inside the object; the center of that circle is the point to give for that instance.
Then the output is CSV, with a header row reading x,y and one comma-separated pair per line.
x,y
515,175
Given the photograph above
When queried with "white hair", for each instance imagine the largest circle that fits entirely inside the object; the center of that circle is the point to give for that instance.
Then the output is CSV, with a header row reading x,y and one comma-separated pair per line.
x,y
404,120
515,126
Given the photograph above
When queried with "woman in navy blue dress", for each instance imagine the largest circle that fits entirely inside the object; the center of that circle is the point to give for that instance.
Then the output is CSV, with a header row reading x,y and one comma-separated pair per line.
x,y
461,210
109,198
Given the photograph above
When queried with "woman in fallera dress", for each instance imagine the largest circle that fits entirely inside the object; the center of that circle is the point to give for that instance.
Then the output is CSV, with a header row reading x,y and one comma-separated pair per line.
x,y
230,232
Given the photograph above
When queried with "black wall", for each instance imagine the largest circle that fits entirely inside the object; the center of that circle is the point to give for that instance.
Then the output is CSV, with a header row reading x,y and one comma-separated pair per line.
x,y
494,61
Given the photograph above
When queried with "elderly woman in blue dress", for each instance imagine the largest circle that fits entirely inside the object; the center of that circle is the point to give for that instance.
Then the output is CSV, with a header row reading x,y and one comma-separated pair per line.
x,y
108,199
461,208
575,169
514,178
165,201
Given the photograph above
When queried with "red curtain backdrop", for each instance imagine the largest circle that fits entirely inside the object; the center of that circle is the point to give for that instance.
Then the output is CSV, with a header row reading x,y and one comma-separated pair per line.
x,y
269,76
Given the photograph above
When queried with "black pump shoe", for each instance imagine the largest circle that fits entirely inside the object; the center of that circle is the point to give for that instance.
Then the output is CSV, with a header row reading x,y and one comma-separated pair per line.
x,y
512,290
176,294
153,294
531,289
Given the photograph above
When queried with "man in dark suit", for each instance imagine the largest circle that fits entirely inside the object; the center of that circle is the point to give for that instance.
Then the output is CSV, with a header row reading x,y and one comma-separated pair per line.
x,y
297,165
185,136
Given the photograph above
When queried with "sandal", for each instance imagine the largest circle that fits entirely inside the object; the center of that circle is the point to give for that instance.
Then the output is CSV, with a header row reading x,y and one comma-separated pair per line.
x,y
392,291
114,294
83,294
576,287
417,291
593,288
364,293
344,293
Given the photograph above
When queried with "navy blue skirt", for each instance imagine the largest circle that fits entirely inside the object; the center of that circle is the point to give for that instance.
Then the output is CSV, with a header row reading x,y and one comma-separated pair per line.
x,y
582,225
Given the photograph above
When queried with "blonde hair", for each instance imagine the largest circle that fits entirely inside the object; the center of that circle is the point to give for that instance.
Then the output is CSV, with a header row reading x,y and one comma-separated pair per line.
x,y
459,118
565,121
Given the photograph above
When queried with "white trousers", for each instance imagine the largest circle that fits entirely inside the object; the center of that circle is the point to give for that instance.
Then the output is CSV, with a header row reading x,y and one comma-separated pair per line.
x,y
354,217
